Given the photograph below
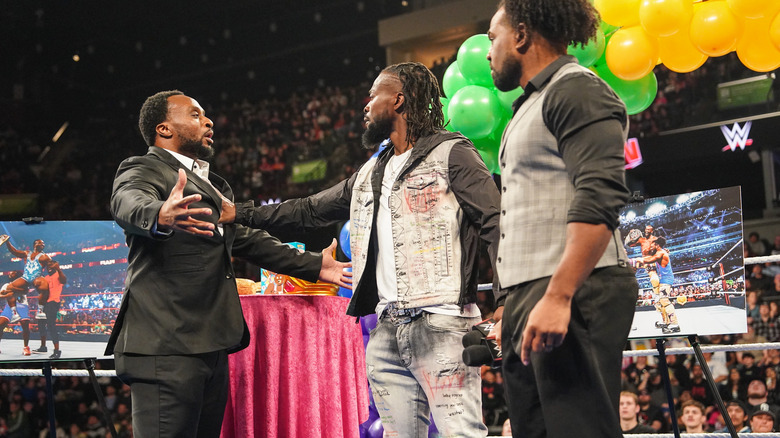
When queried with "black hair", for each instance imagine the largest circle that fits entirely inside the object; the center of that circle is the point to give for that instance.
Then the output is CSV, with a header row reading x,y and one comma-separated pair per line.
x,y
422,106
153,112
564,22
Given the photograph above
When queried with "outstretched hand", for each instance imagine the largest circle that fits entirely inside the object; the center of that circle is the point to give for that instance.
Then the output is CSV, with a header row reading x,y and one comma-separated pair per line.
x,y
176,213
334,271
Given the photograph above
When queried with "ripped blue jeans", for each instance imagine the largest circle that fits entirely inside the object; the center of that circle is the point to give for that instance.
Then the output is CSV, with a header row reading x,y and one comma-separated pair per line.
x,y
416,368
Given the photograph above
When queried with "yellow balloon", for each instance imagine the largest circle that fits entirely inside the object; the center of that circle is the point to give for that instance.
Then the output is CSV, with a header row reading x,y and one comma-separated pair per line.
x,y
749,8
715,29
774,31
631,53
754,47
679,54
665,17
619,12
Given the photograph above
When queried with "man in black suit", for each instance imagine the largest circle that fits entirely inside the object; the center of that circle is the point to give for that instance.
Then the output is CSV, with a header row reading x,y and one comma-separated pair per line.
x,y
181,316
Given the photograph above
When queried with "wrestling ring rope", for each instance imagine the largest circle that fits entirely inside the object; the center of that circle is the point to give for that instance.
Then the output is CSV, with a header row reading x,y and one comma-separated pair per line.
x,y
483,287
487,287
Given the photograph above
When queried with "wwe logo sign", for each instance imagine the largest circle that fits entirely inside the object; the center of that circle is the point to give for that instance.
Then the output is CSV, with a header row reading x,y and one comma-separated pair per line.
x,y
737,136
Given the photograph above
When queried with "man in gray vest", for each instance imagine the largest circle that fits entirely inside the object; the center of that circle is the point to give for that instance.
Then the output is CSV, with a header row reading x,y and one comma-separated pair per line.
x,y
418,211
570,293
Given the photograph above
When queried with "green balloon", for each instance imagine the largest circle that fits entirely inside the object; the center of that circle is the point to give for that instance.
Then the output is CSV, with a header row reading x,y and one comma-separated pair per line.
x,y
489,143
602,59
445,104
507,98
591,52
453,80
638,95
499,131
472,60
607,28
475,111
488,150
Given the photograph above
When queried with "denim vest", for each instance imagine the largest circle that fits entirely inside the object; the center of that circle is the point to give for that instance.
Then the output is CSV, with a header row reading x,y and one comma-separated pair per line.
x,y
426,218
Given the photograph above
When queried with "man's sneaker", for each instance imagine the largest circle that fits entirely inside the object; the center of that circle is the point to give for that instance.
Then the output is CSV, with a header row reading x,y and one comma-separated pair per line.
x,y
26,351
56,354
659,324
42,349
15,317
670,330
40,315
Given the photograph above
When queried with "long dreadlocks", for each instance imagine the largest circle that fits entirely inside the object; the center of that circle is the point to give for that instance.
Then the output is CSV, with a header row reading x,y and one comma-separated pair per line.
x,y
422,110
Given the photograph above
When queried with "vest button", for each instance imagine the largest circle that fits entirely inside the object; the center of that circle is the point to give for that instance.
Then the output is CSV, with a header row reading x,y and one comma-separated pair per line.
x,y
503,212
503,189
499,260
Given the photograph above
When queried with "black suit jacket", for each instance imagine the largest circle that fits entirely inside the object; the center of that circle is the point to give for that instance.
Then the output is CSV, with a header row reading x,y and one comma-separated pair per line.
x,y
180,292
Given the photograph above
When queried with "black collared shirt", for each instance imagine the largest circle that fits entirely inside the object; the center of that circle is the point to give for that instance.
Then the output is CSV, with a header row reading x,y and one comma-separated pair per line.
x,y
588,120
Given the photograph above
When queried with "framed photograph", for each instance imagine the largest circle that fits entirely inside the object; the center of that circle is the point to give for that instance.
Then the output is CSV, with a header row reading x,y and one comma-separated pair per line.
x,y
80,265
687,251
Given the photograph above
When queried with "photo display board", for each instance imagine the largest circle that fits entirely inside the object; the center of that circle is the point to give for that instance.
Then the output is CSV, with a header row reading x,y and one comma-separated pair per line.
x,y
93,258
687,252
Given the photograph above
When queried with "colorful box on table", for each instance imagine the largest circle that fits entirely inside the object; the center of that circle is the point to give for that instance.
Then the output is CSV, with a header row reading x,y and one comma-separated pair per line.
x,y
272,283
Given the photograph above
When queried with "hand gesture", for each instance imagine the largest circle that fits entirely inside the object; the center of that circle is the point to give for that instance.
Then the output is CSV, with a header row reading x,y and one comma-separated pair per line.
x,y
547,325
176,214
334,271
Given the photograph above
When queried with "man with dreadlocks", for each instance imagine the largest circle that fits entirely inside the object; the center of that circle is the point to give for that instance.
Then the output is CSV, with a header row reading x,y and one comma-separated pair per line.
x,y
417,211
570,293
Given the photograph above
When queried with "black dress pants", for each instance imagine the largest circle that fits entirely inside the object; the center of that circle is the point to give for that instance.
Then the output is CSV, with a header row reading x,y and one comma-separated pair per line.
x,y
176,396
574,390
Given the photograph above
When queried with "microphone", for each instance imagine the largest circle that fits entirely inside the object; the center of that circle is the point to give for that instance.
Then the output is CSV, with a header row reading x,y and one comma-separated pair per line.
x,y
478,349
472,338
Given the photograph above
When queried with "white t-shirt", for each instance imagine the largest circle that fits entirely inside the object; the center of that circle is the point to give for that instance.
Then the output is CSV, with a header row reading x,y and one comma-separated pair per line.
x,y
386,280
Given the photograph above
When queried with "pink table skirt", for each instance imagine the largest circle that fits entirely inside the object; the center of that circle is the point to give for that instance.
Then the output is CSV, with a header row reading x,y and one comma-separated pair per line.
x,y
303,374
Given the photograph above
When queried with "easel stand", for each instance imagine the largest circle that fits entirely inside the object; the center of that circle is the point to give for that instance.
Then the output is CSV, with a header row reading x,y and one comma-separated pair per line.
x,y
90,364
694,341
660,344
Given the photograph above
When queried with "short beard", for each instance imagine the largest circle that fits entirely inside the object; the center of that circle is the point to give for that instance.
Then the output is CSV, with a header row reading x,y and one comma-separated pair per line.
x,y
509,77
377,132
197,148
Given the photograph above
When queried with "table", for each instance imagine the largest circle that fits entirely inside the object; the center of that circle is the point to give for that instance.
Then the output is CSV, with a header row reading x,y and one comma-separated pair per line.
x,y
303,374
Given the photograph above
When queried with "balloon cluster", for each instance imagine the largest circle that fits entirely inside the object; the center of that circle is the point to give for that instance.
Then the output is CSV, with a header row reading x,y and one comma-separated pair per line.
x,y
682,34
473,105
634,36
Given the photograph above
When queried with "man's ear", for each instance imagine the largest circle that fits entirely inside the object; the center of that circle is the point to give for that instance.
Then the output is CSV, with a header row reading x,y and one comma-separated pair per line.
x,y
400,99
163,130
522,38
